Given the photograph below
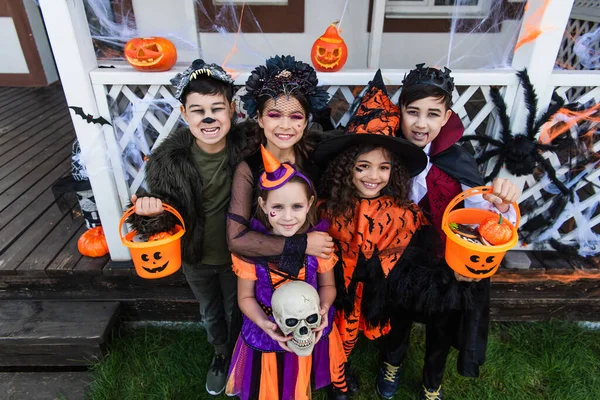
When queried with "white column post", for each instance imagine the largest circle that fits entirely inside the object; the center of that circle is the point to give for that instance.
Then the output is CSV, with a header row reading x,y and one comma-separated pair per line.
x,y
69,36
376,36
538,56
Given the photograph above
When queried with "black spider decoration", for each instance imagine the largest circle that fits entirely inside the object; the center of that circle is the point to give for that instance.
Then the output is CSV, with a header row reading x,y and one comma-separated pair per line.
x,y
522,152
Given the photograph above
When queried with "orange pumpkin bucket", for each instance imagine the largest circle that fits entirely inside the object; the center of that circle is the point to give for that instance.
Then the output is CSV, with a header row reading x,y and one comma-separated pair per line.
x,y
156,258
474,260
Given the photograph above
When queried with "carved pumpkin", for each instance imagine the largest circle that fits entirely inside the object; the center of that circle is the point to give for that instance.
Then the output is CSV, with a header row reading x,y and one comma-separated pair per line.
x,y
92,243
329,52
151,54
160,235
495,231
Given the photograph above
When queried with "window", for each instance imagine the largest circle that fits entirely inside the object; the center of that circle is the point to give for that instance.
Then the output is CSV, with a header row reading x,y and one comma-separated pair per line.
x,y
250,2
436,8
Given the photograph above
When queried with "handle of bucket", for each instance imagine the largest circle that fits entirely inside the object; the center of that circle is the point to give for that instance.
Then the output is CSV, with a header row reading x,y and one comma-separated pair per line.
x,y
474,192
131,210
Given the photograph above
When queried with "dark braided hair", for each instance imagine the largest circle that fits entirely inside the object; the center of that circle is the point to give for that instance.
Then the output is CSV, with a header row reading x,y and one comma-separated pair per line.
x,y
340,192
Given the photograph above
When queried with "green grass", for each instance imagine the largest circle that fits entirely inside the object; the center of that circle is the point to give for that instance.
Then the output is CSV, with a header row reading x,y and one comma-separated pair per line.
x,y
551,360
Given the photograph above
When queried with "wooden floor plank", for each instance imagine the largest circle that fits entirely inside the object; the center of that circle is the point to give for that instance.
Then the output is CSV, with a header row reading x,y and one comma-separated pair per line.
x,y
9,93
91,265
11,204
27,216
29,100
36,121
35,169
51,246
29,239
22,100
25,151
10,104
25,114
68,257
50,126
42,333
54,112
45,385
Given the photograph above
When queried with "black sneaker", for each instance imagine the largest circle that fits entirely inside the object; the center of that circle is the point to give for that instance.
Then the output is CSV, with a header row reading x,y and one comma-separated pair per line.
x,y
387,381
351,379
216,379
431,394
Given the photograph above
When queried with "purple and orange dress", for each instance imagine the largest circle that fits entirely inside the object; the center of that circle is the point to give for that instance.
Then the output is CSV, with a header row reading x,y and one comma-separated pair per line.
x,y
260,368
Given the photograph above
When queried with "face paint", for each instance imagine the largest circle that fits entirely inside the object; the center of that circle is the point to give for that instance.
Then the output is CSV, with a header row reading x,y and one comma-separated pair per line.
x,y
208,120
272,214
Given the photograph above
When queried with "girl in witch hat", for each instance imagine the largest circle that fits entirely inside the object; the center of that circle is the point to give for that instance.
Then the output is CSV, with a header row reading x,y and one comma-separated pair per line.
x,y
381,236
263,366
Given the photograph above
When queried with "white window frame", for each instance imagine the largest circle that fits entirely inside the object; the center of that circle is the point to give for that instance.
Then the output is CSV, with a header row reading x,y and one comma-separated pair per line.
x,y
427,9
250,2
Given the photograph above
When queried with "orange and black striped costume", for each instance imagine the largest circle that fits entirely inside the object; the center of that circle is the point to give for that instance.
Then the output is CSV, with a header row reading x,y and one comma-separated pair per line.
x,y
376,250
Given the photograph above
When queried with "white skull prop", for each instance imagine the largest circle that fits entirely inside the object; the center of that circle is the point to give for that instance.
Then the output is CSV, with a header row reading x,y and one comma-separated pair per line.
x,y
296,310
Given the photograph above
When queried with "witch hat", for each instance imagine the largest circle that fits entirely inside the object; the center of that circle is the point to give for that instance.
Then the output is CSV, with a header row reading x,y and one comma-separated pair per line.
x,y
276,173
376,121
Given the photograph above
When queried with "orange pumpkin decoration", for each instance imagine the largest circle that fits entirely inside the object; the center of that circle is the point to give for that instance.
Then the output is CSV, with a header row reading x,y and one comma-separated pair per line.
x,y
93,243
329,52
160,235
151,54
495,231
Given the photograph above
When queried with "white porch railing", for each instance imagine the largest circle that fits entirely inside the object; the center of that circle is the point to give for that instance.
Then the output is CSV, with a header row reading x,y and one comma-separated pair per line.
x,y
143,111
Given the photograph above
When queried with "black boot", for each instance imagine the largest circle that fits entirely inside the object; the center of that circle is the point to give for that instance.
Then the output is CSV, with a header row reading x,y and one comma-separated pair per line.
x,y
337,394
351,380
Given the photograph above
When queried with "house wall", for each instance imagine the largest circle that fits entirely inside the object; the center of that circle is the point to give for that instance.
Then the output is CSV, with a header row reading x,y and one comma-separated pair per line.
x,y
11,53
41,40
401,50
25,52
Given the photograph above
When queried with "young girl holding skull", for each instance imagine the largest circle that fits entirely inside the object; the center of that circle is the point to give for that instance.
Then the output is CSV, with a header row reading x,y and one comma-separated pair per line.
x,y
266,363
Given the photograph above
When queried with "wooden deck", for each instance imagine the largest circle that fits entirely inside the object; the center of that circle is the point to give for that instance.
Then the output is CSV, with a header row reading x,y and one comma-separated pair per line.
x,y
37,238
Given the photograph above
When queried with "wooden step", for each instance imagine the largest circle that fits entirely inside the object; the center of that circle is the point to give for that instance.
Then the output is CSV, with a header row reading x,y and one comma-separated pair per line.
x,y
54,333
45,385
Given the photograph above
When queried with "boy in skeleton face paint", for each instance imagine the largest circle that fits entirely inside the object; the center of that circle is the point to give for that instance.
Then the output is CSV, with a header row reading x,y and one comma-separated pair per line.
x,y
192,171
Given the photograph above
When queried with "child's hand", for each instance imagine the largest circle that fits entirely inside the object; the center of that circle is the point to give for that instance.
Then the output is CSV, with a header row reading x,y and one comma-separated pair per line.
x,y
147,206
272,330
504,193
319,244
462,278
324,322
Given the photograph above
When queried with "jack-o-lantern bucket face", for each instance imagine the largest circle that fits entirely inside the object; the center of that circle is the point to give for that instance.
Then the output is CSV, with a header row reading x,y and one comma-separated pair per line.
x,y
475,265
474,260
329,52
151,54
158,257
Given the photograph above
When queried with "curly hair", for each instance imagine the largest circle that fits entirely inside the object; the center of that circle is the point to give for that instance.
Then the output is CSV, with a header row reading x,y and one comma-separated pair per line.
x,y
311,216
340,192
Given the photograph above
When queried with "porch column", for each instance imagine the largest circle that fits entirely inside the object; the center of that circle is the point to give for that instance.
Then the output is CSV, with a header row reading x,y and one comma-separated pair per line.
x,y
71,43
376,36
538,56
